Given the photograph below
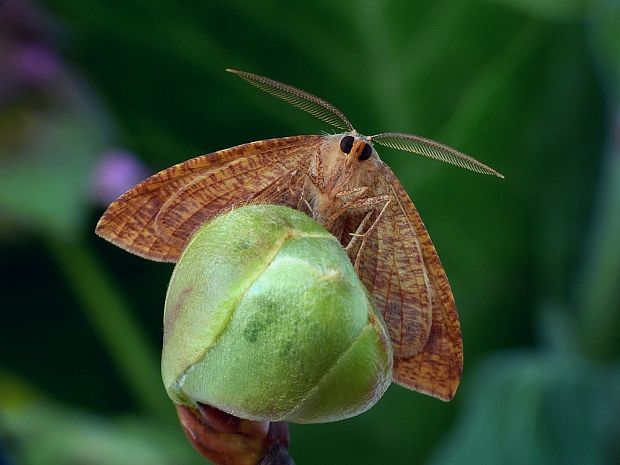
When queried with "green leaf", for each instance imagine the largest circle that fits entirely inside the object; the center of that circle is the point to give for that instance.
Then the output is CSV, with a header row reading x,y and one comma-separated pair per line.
x,y
537,408
42,431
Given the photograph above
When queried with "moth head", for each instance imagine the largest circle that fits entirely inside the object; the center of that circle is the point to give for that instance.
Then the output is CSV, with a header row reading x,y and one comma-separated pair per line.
x,y
356,147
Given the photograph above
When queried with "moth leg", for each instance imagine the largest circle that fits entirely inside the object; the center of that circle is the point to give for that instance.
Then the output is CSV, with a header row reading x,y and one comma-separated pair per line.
x,y
290,181
308,206
365,204
352,203
358,232
369,231
318,185
316,178
354,193
273,189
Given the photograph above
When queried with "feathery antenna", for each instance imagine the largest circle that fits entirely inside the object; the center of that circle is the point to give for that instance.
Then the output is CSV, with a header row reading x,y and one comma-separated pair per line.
x,y
321,109
432,149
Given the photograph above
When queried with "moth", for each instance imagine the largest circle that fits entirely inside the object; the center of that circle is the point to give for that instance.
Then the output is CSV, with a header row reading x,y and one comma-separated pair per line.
x,y
340,181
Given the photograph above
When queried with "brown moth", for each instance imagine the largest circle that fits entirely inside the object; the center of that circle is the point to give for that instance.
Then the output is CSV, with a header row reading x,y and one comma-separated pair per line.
x,y
341,182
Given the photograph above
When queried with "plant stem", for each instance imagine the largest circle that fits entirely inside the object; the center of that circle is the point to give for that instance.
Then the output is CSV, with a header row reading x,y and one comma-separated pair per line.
x,y
109,314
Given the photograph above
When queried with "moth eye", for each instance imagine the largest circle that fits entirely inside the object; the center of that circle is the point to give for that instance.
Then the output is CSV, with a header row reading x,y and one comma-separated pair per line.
x,y
366,153
346,143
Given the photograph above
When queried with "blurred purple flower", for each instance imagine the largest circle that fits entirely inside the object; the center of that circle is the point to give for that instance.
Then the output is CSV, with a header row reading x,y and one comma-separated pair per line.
x,y
35,63
116,172
27,57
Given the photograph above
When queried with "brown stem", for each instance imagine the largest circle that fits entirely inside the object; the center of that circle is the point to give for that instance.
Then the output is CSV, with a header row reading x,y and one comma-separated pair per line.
x,y
227,440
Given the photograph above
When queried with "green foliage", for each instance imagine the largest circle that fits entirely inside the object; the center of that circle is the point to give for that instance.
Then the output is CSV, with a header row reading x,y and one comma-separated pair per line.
x,y
530,88
46,164
537,408
550,9
54,434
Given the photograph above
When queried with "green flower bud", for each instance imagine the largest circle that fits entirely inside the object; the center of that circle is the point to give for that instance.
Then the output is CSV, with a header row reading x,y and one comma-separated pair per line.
x,y
266,319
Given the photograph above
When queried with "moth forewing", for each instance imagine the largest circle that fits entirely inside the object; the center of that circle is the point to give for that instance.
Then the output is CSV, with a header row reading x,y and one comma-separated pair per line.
x,y
437,369
156,218
389,261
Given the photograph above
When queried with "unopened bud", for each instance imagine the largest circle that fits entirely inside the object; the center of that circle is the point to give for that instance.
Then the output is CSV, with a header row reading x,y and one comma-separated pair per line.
x,y
266,320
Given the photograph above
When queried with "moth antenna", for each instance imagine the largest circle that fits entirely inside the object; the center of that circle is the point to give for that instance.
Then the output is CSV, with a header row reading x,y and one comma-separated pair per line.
x,y
321,109
432,149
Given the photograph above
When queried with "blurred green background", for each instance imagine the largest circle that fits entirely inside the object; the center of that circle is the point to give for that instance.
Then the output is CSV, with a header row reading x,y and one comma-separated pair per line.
x,y
96,95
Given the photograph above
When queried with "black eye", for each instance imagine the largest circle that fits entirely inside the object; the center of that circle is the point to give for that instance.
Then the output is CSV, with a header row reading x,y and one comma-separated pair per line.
x,y
366,153
346,143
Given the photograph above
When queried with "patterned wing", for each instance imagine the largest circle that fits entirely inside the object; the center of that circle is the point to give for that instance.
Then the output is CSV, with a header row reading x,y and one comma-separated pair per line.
x,y
401,268
390,264
156,218
436,370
